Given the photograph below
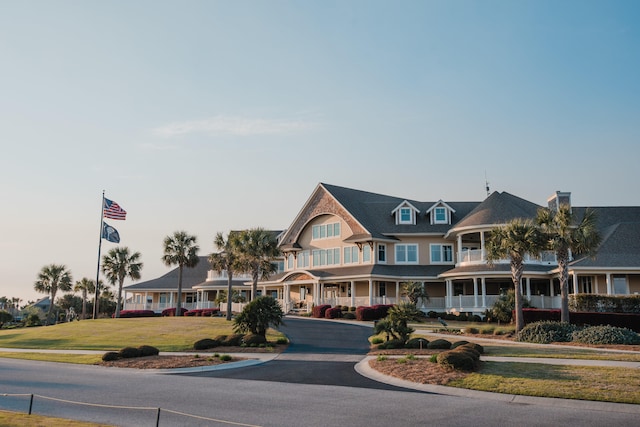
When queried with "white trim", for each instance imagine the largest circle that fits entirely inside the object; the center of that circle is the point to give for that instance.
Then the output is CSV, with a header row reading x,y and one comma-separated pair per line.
x,y
406,245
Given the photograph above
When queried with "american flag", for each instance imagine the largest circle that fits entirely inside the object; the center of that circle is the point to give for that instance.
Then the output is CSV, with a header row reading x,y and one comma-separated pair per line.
x,y
112,210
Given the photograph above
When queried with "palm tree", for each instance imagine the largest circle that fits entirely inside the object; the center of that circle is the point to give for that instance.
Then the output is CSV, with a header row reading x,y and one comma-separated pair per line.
x,y
180,249
257,248
227,259
119,264
515,240
52,278
564,237
416,292
85,287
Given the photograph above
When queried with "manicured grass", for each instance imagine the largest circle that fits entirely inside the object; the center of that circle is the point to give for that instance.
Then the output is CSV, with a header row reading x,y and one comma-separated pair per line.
x,y
18,419
568,382
82,359
165,333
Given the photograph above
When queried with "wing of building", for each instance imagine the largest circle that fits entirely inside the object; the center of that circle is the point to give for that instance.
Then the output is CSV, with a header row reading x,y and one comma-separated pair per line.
x,y
352,247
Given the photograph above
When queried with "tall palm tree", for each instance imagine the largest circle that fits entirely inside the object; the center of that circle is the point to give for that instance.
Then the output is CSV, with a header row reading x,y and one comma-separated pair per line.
x,y
257,248
85,287
564,237
180,249
52,278
227,259
119,264
514,240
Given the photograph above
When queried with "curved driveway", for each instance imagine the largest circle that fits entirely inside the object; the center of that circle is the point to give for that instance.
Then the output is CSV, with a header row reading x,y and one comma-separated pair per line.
x,y
321,352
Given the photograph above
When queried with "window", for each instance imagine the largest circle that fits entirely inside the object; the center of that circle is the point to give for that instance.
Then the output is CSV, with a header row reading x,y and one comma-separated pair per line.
x,y
303,259
382,289
440,214
382,253
351,255
326,257
366,253
279,265
324,231
290,261
441,254
405,216
585,284
407,254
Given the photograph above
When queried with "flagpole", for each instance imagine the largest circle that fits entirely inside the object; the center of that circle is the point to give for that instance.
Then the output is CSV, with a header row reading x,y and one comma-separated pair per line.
x,y
95,301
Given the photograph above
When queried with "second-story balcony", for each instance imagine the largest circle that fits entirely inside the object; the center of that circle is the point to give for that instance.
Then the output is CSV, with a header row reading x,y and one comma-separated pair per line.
x,y
479,256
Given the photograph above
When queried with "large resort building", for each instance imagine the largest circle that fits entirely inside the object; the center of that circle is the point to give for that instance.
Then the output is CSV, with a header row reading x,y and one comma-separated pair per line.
x,y
357,248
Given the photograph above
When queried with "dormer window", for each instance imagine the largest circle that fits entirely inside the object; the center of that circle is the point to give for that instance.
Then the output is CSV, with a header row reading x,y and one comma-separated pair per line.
x,y
405,213
440,213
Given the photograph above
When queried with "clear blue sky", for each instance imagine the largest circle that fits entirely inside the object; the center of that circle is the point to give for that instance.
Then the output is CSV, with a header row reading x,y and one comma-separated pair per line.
x,y
207,116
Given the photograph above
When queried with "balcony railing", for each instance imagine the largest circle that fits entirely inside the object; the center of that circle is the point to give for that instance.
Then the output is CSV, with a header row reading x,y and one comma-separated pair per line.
x,y
478,256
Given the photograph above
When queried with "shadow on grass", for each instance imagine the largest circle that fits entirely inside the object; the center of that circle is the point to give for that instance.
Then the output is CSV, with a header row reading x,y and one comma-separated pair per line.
x,y
533,371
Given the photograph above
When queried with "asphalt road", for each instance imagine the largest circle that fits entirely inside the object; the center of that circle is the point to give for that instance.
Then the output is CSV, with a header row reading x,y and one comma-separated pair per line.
x,y
282,399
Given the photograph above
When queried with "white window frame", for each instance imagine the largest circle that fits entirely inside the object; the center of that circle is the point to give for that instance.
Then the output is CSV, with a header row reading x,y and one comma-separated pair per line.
x,y
435,215
401,211
352,250
440,247
366,253
325,231
405,248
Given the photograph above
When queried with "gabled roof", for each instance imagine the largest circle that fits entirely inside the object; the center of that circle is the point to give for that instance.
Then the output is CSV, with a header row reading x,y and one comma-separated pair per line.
x,y
440,203
169,281
371,210
497,209
620,248
405,203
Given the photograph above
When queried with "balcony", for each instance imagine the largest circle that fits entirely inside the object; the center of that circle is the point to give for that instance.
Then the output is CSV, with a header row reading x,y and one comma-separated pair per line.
x,y
478,256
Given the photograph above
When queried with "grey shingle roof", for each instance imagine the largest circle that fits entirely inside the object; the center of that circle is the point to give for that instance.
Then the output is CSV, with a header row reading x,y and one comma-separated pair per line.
x,y
498,208
620,248
169,281
373,211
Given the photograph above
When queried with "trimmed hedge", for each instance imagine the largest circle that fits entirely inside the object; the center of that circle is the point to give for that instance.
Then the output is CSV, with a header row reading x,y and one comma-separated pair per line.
x,y
333,313
417,343
319,311
439,344
110,356
374,312
206,312
621,320
124,314
606,335
148,350
253,339
604,303
205,344
172,311
129,352
546,332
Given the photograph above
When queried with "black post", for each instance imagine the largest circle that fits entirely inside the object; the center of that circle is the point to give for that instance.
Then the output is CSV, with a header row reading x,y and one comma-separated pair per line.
x,y
30,404
158,418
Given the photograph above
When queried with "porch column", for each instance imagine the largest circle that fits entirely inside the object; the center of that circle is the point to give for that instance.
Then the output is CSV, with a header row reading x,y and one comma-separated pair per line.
x,y
551,287
448,293
575,283
482,254
459,247
145,300
321,287
597,291
287,297
397,292
609,285
353,293
528,279
484,292
475,292
370,292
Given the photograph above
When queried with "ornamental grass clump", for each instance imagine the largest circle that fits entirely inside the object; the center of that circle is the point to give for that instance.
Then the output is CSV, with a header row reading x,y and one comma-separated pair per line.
x,y
546,332
606,335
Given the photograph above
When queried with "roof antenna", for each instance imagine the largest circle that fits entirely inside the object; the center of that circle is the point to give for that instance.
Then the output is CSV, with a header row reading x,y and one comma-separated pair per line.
x,y
486,183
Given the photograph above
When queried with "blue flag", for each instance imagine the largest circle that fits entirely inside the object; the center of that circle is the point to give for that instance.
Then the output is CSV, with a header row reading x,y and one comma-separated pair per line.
x,y
109,233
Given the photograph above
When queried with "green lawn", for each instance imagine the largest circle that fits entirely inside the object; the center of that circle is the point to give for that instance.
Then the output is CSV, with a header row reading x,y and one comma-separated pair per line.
x,y
567,382
165,333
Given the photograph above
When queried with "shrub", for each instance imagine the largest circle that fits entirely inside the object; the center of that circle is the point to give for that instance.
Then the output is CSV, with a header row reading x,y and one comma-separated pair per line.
x,y
475,318
172,311
391,344
206,343
365,313
382,358
333,313
546,332
476,347
319,310
233,340
348,315
129,352
417,343
376,340
345,308
432,314
110,356
606,335
254,339
459,343
456,360
439,344
137,313
257,316
147,350
282,340
225,358
472,331
487,330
